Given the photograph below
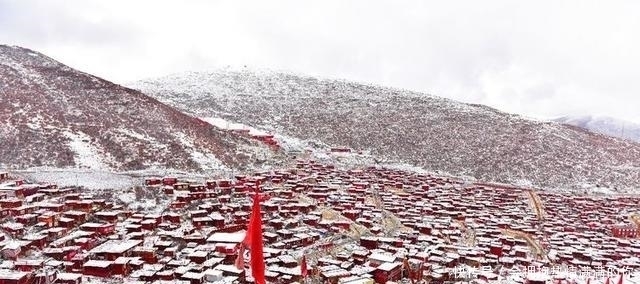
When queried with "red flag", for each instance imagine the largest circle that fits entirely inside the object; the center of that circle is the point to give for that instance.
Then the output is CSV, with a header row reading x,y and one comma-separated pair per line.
x,y
253,240
608,281
240,259
256,199
621,279
303,267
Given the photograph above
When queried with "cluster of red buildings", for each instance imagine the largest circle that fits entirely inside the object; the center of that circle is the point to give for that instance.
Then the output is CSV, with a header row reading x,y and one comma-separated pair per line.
x,y
409,225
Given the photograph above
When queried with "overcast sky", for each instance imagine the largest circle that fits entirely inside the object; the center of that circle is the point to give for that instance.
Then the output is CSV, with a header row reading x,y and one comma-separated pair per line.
x,y
537,58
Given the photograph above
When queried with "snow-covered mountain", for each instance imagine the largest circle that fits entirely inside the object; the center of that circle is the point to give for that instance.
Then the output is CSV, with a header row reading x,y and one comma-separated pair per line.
x,y
605,125
53,115
404,126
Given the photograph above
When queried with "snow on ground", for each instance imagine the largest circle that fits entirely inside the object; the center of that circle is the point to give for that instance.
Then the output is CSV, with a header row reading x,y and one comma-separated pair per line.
x,y
86,155
25,73
35,122
139,136
145,204
598,190
99,179
89,178
291,144
229,125
286,142
207,161
421,170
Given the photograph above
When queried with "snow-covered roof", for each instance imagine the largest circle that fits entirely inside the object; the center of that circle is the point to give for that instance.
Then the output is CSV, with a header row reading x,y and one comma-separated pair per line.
x,y
98,263
193,275
68,276
116,246
12,275
383,257
538,276
221,237
228,268
388,266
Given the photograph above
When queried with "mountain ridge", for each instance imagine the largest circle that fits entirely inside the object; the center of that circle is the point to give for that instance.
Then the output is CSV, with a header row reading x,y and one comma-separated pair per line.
x,y
605,125
405,126
53,115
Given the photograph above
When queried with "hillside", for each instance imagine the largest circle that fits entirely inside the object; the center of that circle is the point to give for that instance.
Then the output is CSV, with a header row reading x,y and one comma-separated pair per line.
x,y
605,125
404,126
52,115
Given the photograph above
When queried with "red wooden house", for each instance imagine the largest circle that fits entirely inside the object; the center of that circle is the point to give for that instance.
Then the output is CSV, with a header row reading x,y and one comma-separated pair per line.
x,y
68,278
172,217
14,229
9,203
625,231
125,265
153,181
108,216
14,249
111,250
99,268
28,264
200,222
148,255
181,186
389,271
15,277
224,183
169,180
210,184
199,256
103,229
193,277
77,216
27,219
46,277
37,241
53,207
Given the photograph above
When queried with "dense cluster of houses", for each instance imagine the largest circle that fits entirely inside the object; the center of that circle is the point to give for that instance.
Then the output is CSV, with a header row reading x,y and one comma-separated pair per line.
x,y
370,225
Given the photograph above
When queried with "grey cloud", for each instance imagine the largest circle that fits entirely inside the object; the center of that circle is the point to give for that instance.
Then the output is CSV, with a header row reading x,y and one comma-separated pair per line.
x,y
44,22
541,58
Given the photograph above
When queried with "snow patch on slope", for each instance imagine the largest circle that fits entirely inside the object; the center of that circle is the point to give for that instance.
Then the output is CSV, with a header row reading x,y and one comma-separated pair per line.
x,y
139,136
287,143
35,122
86,155
207,161
7,130
229,125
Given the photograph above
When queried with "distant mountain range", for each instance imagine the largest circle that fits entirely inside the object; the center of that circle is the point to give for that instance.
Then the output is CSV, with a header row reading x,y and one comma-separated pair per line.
x,y
53,115
605,125
409,127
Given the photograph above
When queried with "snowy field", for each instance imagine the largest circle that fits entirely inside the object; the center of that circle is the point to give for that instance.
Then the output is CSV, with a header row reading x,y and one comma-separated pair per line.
x,y
91,179
102,179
